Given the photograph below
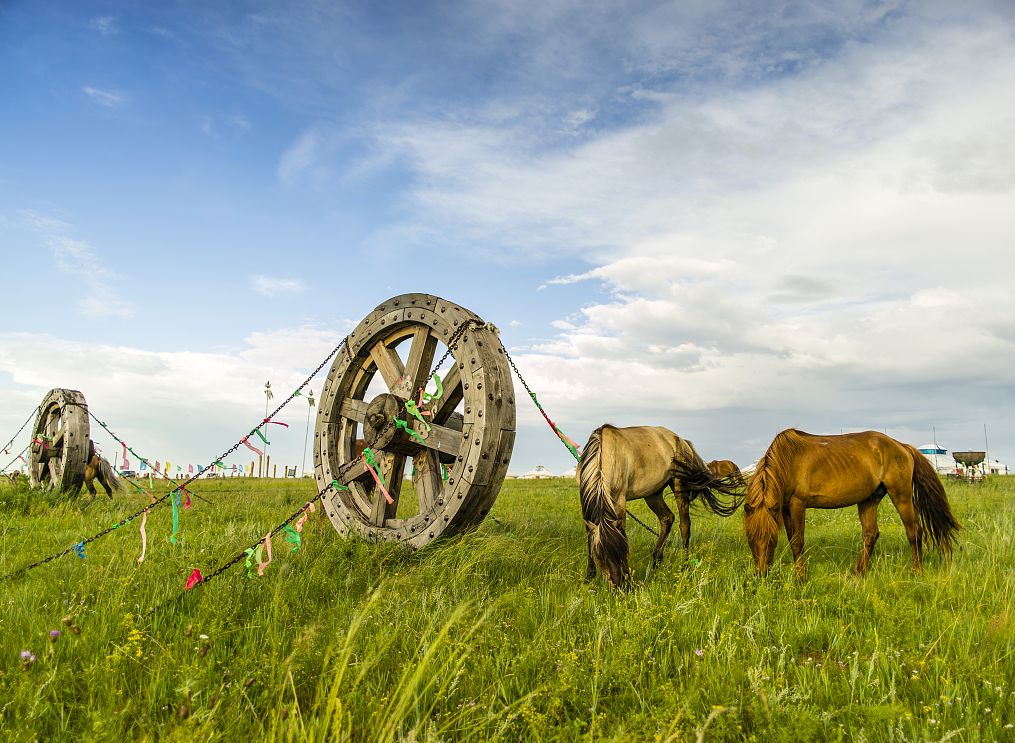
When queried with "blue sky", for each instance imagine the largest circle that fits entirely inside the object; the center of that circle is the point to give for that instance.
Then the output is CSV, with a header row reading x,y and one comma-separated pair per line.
x,y
718,217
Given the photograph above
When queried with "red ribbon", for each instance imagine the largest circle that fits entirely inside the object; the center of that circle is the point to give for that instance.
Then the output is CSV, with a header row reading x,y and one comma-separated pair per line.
x,y
194,579
277,423
377,479
126,464
252,448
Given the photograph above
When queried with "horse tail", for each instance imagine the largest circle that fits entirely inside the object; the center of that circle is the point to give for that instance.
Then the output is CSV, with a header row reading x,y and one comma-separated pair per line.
x,y
697,481
931,503
107,474
607,540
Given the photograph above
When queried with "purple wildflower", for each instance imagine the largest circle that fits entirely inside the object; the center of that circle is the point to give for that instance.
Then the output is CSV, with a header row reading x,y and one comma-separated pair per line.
x,y
699,652
53,634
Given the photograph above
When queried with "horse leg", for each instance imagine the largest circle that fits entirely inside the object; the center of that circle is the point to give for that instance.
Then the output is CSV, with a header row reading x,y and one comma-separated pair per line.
x,y
902,499
590,572
105,485
665,516
684,509
868,511
797,508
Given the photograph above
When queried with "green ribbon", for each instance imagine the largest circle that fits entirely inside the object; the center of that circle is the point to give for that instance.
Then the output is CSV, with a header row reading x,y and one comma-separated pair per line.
x,y
444,473
176,517
260,552
410,406
399,423
297,393
292,536
337,486
219,463
261,435
427,397
250,561
369,456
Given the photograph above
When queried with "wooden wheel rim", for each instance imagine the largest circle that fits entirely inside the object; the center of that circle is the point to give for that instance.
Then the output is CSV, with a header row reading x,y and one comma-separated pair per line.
x,y
62,425
475,446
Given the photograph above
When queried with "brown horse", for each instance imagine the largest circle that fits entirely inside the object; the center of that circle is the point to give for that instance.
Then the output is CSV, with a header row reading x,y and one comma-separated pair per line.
x,y
801,471
99,467
727,469
624,464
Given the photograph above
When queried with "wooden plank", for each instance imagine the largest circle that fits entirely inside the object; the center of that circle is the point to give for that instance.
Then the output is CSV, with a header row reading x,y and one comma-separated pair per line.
x,y
389,364
418,362
354,410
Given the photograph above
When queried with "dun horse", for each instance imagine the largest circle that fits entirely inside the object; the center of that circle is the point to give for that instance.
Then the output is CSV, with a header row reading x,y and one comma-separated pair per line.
x,y
624,464
801,471
99,468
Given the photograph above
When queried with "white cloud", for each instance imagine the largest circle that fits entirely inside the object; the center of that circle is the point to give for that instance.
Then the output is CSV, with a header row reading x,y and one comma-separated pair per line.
x,y
183,405
300,156
76,257
271,286
107,98
105,25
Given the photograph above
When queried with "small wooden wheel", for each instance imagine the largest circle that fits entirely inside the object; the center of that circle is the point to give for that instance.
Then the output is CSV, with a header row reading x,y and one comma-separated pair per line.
x,y
458,465
59,450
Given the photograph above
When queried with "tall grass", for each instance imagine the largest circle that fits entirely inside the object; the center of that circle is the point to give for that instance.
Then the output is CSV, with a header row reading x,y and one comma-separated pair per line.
x,y
493,634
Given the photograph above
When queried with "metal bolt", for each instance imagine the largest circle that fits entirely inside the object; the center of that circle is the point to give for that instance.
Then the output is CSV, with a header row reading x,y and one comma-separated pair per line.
x,y
479,385
459,457
485,455
490,395
396,303
468,410
477,442
470,468
431,535
480,413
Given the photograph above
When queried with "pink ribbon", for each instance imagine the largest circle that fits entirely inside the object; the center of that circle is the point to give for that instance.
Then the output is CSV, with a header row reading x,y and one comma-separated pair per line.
x,y
252,448
144,534
186,503
267,543
194,579
126,464
22,459
311,508
277,423
377,479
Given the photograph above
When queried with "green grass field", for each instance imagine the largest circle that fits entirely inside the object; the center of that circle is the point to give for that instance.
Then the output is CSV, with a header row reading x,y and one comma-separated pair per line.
x,y
494,635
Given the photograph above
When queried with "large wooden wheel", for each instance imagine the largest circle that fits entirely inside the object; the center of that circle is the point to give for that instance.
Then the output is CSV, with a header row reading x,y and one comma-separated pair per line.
x,y
59,451
458,465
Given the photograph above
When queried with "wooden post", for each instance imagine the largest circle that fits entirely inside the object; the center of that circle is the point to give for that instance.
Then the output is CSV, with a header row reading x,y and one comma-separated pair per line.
x,y
274,471
251,470
267,464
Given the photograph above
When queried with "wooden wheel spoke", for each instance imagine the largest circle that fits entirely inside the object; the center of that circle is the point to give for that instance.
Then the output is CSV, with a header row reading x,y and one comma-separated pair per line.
x,y
355,410
389,364
421,353
426,478
453,394
392,467
440,439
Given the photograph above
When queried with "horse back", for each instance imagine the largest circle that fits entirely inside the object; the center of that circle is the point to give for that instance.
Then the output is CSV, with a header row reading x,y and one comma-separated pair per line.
x,y
638,460
836,470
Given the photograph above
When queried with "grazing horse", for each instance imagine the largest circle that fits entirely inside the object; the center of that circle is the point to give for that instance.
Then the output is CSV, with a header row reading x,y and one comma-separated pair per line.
x,y
801,471
99,467
624,464
726,468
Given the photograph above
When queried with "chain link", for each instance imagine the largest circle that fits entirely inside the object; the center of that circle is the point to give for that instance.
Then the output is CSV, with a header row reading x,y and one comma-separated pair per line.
x,y
16,458
5,446
161,499
453,341
533,398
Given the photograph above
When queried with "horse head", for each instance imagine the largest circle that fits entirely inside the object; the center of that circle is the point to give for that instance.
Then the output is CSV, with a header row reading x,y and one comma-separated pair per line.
x,y
762,518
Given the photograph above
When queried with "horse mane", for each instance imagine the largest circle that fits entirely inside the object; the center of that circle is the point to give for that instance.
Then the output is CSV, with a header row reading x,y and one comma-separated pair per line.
x,y
772,472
